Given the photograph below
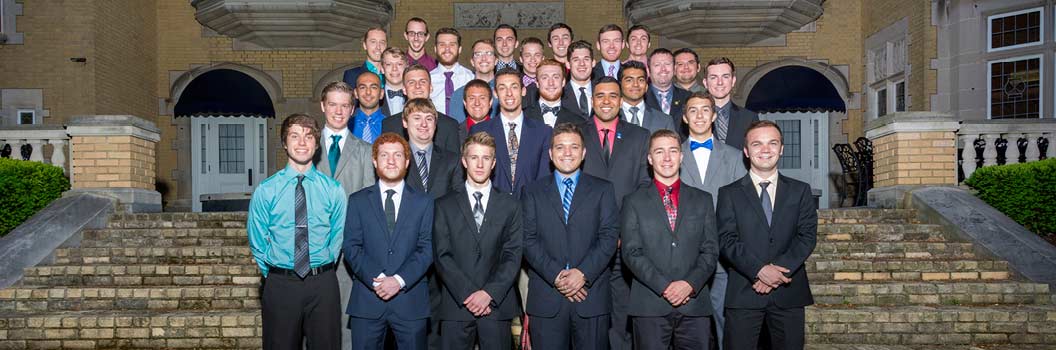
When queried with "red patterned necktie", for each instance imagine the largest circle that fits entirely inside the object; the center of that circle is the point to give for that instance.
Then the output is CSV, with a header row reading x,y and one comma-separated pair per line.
x,y
669,206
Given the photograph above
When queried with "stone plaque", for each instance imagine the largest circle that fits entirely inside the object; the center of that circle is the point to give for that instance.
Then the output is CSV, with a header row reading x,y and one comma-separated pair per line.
x,y
529,15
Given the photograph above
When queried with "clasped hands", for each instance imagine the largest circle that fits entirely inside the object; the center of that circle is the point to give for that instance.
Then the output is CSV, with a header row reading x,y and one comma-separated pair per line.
x,y
770,277
677,293
386,287
572,284
478,303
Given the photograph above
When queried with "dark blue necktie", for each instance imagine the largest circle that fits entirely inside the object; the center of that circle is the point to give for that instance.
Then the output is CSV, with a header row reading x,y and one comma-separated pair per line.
x,y
693,145
301,260
548,109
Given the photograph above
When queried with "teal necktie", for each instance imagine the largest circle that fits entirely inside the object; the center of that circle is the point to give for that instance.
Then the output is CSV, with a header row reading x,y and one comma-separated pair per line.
x,y
334,154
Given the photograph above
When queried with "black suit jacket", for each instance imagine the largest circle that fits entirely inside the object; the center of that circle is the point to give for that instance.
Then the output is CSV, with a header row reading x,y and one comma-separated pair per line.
x,y
446,135
445,173
740,119
627,167
568,98
678,100
468,260
749,244
533,156
587,242
657,256
566,115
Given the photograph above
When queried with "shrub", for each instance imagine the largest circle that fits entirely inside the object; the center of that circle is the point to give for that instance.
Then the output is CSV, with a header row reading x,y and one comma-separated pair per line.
x,y
1026,192
25,188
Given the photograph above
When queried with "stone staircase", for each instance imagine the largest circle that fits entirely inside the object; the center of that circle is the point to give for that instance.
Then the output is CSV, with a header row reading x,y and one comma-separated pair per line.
x,y
180,280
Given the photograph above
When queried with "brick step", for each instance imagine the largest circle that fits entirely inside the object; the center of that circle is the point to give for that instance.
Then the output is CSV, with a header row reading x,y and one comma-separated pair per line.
x,y
924,293
965,276
178,220
127,242
140,275
866,215
236,255
225,329
881,265
927,347
41,299
894,250
945,325
165,233
881,232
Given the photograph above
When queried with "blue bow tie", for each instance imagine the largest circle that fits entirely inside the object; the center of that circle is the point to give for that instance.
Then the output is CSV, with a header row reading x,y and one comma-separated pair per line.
x,y
548,109
693,145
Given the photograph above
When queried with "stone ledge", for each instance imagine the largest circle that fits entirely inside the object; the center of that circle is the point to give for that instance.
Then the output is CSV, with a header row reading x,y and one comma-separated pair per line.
x,y
113,125
910,122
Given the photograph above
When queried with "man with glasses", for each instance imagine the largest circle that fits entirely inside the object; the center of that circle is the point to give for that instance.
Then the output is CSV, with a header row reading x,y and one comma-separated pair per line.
x,y
417,34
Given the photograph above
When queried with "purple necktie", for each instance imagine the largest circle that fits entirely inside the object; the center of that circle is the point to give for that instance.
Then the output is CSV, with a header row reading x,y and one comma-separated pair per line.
x,y
449,88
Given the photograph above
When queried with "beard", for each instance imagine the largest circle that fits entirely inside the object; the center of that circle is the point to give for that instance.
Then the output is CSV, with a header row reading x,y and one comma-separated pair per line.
x,y
381,175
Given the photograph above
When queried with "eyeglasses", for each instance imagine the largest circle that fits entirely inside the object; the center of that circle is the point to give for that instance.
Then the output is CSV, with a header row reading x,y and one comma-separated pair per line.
x,y
418,34
483,54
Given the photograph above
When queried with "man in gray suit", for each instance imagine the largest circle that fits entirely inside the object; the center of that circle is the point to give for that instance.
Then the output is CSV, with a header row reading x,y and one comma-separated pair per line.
x,y
634,110
708,165
347,159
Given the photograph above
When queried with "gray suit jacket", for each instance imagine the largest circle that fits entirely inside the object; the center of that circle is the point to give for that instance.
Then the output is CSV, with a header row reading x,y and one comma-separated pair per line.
x,y
654,119
724,166
355,170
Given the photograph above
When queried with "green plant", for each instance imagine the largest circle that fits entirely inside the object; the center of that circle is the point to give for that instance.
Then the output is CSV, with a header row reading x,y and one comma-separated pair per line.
x,y
25,188
1026,192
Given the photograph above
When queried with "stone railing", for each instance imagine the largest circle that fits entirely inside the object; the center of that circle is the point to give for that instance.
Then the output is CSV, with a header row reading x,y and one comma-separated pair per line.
x,y
35,137
993,142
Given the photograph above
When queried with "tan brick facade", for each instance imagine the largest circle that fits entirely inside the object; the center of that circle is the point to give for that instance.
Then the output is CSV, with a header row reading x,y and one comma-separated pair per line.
x,y
915,158
113,161
922,80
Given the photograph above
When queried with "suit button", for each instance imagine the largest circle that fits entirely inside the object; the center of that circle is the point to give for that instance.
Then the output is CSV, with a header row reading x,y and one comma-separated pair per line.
x,y
390,251
674,244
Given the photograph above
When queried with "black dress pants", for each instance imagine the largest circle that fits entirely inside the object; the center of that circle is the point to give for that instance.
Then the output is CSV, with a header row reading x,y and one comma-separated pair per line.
x,y
295,311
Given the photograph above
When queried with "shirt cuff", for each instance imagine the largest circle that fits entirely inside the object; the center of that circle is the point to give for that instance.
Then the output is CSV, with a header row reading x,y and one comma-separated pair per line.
x,y
400,279
380,275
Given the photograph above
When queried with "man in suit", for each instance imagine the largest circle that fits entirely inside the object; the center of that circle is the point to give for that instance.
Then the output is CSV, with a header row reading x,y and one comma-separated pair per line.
x,y
346,159
733,120
663,94
417,84
417,34
483,62
300,296
610,43
687,67
531,56
506,44
570,229
433,170
521,143
549,109
615,151
388,245
557,39
366,120
638,43
671,256
375,40
449,75
633,109
478,243
478,102
766,234
393,63
579,91
708,165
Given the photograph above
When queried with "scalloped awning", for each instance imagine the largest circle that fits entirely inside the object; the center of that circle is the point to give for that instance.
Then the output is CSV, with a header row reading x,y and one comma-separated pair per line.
x,y
293,24
710,23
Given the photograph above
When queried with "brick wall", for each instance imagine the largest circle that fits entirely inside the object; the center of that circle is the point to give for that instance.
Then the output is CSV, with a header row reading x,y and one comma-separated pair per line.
x,y
923,81
113,161
126,57
915,158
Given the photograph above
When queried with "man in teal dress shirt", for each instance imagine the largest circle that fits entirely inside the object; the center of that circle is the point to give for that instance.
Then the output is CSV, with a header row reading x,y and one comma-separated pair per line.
x,y
296,224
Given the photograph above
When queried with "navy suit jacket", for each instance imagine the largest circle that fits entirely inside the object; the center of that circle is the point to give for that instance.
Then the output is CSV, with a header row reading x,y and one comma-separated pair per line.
x,y
587,242
627,168
370,250
533,155
445,136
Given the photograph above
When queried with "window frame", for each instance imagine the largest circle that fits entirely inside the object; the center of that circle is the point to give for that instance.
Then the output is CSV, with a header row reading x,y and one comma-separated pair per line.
x,y
990,29
895,96
18,116
1041,83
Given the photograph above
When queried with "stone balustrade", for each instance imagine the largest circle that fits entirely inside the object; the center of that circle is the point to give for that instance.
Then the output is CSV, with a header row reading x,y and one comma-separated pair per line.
x,y
36,137
993,142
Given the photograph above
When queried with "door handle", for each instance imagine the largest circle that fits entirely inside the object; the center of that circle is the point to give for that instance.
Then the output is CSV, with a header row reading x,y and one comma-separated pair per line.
x,y
249,174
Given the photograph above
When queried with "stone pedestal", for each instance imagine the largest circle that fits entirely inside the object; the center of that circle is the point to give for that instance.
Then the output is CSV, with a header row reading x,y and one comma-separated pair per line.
x,y
911,150
113,155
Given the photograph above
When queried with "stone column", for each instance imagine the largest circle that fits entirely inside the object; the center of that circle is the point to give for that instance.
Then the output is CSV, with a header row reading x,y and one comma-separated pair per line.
x,y
113,155
911,150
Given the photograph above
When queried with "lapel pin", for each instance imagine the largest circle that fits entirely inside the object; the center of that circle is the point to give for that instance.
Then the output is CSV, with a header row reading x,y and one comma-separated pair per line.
x,y
619,136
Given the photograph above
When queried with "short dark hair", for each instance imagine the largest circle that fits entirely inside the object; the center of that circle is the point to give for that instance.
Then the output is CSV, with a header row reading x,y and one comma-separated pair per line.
x,y
371,29
663,133
683,50
565,128
630,65
581,45
448,30
557,26
661,51
505,26
475,83
701,95
759,124
604,80
508,71
639,27
419,20
610,28
720,60
531,40
301,120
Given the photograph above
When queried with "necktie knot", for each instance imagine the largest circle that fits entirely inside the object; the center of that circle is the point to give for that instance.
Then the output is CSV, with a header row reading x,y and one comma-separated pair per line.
x,y
764,185
709,144
335,138
568,182
421,154
448,74
548,109
390,192
513,127
300,179
477,195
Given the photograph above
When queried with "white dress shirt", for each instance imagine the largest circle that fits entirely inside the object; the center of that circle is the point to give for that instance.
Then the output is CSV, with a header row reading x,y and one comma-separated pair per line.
x,y
702,156
485,191
394,104
627,112
461,76
549,118
770,189
590,94
519,120
396,199
327,140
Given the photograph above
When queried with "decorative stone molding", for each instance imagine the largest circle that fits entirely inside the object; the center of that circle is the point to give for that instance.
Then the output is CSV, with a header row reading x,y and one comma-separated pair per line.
x,y
487,15
723,23
10,10
114,156
293,24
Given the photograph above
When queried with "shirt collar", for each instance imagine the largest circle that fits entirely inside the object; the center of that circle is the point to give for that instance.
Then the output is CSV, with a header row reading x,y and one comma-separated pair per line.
x,y
327,132
640,106
662,187
290,173
486,190
756,179
519,120
414,149
561,179
398,188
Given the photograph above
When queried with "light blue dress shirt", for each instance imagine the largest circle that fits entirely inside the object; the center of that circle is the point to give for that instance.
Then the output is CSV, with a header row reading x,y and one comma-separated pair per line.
x,y
362,121
560,179
272,219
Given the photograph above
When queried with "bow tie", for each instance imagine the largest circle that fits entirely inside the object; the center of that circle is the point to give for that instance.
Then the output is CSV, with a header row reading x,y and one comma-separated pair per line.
x,y
693,145
548,109
394,93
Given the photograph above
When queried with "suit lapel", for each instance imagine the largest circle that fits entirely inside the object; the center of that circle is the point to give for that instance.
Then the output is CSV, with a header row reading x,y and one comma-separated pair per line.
x,y
344,160
554,197
437,159
377,207
405,209
617,141
748,188
656,206
713,163
781,193
689,165
467,211
502,151
580,194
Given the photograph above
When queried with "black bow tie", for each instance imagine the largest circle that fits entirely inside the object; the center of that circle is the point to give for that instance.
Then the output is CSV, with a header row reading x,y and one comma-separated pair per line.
x,y
394,93
548,109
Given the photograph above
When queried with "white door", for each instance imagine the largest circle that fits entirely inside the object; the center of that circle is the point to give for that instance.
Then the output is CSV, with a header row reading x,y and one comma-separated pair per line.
x,y
227,156
806,155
